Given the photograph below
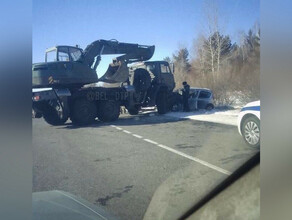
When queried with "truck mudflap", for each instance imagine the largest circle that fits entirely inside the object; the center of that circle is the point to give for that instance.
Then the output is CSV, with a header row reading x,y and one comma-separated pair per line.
x,y
51,102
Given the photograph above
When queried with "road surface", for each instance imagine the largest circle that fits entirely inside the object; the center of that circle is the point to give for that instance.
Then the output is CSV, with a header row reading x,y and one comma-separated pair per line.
x,y
119,165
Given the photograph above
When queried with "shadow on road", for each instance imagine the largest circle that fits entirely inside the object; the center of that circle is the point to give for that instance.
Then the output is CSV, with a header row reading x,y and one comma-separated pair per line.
x,y
141,119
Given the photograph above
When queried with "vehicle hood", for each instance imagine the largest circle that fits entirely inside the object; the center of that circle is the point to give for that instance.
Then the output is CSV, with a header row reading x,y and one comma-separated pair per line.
x,y
255,103
60,205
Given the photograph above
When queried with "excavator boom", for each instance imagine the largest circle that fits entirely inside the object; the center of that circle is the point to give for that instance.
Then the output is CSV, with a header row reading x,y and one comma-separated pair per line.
x,y
132,52
117,71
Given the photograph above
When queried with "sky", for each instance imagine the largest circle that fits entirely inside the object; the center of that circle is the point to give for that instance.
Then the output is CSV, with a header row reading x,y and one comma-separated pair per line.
x,y
167,24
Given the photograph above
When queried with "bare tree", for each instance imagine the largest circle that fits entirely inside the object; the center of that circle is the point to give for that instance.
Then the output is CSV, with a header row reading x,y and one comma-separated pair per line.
x,y
167,59
183,67
223,66
212,26
215,45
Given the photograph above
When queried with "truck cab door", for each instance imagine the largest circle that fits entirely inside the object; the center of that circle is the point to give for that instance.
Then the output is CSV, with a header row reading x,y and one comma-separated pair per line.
x,y
166,76
66,70
81,72
75,71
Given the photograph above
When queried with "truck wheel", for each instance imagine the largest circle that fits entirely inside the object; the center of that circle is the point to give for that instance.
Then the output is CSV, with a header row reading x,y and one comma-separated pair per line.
x,y
108,111
36,114
171,101
53,117
142,80
162,102
83,112
133,110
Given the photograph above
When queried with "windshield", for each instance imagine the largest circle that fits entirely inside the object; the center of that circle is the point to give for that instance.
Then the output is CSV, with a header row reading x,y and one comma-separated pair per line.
x,y
75,53
64,54
164,68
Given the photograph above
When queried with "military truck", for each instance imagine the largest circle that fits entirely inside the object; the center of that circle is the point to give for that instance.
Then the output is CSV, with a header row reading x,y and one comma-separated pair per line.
x,y
66,84
153,82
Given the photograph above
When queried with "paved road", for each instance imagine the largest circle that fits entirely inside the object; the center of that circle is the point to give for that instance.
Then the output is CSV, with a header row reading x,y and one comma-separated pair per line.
x,y
119,166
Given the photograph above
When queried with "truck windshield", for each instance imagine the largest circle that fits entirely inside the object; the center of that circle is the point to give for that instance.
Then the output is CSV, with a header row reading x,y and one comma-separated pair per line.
x,y
164,68
63,54
75,53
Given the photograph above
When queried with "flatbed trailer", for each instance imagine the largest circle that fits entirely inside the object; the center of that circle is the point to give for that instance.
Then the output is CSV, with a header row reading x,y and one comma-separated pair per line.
x,y
81,105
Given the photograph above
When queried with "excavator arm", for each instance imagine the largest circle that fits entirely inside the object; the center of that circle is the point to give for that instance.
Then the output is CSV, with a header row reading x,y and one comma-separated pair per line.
x,y
118,70
132,52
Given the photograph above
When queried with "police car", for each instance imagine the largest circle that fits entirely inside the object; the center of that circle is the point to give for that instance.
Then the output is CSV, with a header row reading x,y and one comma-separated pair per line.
x,y
249,123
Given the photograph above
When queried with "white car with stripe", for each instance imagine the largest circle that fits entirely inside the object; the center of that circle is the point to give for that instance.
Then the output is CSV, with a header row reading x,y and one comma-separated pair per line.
x,y
249,123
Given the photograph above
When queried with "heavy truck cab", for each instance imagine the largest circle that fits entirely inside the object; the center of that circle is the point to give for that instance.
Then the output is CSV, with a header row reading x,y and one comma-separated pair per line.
x,y
161,73
62,68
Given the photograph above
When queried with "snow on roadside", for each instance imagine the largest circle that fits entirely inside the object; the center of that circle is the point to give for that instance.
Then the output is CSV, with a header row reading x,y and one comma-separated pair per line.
x,y
228,117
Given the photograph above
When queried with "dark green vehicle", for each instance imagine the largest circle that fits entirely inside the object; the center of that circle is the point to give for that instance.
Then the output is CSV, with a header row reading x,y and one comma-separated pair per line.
x,y
66,84
67,66
153,82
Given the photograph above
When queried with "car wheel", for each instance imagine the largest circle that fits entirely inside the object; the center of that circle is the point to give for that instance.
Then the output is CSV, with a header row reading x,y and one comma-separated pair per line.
x,y
209,107
251,131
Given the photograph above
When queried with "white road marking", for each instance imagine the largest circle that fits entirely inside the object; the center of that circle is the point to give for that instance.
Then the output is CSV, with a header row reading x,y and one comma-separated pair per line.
x,y
205,163
116,127
137,136
195,159
150,141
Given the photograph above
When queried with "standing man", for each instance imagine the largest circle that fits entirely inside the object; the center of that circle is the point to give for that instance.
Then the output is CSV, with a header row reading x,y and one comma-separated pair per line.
x,y
186,94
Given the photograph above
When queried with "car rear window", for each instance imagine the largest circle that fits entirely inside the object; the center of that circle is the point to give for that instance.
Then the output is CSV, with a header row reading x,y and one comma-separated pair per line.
x,y
204,95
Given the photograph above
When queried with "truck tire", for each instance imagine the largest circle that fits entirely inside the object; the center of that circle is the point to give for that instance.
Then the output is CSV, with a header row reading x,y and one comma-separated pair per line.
x,y
162,102
83,112
133,110
142,80
108,110
36,114
53,117
171,100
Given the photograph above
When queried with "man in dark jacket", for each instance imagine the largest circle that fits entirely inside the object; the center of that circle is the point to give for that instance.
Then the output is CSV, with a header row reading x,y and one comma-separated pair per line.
x,y
186,95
